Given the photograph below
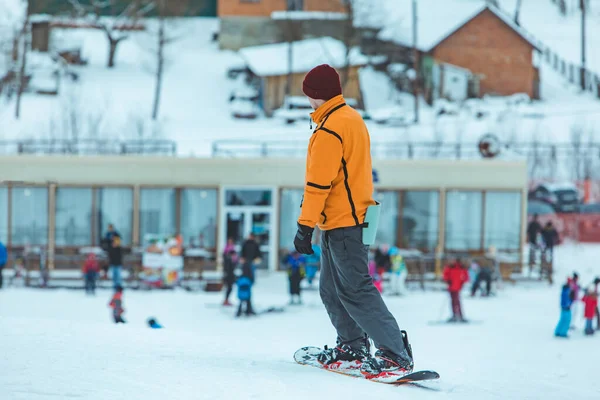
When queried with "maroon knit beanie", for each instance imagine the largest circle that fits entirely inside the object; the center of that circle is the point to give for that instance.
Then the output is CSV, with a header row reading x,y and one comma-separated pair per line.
x,y
322,82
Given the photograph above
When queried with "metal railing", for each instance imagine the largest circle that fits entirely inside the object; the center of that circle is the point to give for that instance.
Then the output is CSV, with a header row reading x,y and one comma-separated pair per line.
x,y
407,150
89,147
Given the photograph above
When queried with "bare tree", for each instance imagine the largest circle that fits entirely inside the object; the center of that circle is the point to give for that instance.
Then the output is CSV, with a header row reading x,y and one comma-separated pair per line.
x,y
114,23
162,41
166,13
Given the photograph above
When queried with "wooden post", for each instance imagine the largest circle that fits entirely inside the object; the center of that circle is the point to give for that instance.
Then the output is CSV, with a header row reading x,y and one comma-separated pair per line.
x,y
439,251
135,239
524,194
51,225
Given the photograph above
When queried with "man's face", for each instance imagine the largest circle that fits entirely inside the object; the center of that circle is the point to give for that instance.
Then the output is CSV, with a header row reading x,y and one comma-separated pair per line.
x,y
314,103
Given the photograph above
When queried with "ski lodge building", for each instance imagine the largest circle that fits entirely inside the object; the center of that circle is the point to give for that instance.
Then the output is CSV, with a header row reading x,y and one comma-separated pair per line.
x,y
64,204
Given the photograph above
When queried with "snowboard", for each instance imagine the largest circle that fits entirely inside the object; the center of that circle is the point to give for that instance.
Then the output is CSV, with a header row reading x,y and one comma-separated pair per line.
x,y
308,356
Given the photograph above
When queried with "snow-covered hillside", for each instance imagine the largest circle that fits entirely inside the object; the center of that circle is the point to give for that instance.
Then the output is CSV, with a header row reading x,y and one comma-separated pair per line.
x,y
61,344
195,109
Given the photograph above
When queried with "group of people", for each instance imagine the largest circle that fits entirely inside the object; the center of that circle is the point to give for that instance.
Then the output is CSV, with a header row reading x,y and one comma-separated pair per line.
x,y
248,258
386,259
111,244
541,237
299,267
570,296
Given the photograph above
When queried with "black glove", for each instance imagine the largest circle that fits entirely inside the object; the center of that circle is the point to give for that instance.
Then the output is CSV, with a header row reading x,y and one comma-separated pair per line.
x,y
303,240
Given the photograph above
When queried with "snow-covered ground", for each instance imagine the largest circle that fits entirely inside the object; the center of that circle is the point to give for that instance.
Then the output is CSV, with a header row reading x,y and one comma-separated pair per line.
x,y
60,344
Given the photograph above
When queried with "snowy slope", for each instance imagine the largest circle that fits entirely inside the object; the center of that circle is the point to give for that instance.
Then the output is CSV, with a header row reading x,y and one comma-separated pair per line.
x,y
61,344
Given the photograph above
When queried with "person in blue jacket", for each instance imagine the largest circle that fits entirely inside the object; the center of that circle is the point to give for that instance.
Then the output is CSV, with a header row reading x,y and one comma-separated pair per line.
x,y
3,261
244,292
312,264
295,263
566,300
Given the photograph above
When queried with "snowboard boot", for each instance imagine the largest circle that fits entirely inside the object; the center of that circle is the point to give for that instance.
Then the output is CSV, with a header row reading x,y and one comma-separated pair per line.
x,y
385,362
345,356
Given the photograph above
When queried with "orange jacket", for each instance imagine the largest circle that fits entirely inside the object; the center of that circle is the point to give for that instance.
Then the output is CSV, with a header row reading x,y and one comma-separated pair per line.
x,y
339,178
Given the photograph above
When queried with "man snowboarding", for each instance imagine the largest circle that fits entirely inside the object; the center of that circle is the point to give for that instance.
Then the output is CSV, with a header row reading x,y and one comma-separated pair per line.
x,y
338,190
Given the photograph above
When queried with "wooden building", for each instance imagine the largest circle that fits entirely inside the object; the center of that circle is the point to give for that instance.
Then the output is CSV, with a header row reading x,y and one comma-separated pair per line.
x,y
271,64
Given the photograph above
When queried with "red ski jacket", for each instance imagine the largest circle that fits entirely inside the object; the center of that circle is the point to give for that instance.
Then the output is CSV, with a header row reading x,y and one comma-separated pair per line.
x,y
591,302
456,276
91,265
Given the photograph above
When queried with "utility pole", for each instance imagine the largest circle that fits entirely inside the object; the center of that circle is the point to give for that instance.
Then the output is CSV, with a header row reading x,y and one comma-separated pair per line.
x,y
583,10
416,61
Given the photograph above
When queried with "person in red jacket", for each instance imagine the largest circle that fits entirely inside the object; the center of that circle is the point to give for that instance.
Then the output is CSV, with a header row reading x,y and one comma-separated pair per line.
x,y
590,299
116,303
455,275
90,273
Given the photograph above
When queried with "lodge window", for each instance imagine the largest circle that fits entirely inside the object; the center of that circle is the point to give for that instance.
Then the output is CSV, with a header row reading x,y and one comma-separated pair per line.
x,y
198,217
73,216
114,206
502,220
29,216
420,220
464,215
157,212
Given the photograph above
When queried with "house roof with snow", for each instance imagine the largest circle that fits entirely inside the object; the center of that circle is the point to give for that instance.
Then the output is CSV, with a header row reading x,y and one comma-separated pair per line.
x,y
436,20
272,59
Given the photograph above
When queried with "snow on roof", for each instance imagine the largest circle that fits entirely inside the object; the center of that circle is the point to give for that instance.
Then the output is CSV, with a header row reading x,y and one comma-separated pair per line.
x,y
308,15
12,13
436,20
40,18
272,59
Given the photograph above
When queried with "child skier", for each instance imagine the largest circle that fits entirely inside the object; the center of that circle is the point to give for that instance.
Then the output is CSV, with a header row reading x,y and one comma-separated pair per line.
x,y
566,300
312,263
455,276
90,273
575,289
244,284
295,264
116,303
153,323
398,273
590,299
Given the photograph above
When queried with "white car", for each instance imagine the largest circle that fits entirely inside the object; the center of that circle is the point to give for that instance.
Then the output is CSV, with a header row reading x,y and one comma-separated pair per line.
x,y
297,108
243,103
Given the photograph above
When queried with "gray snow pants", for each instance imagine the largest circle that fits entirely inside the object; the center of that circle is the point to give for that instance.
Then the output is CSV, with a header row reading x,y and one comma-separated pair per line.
x,y
354,305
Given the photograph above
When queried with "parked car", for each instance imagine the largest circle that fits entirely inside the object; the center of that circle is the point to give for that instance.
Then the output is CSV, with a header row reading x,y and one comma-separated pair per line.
x,y
564,198
297,108
244,100
393,116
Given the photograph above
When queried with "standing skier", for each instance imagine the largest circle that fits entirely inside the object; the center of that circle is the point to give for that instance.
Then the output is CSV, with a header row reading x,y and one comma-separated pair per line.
x,y
455,276
590,299
338,190
116,303
566,300
229,263
295,263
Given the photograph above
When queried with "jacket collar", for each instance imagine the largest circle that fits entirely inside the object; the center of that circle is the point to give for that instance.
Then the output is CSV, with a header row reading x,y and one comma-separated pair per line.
x,y
327,108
